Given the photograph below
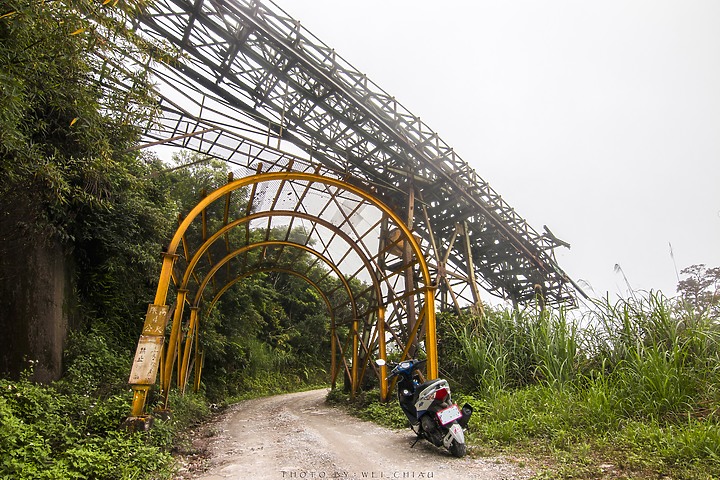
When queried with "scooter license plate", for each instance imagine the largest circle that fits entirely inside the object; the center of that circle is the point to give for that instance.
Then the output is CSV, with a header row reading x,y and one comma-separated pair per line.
x,y
448,415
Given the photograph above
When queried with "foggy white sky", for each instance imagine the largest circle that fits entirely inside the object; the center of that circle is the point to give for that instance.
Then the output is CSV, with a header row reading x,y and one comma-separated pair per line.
x,y
599,119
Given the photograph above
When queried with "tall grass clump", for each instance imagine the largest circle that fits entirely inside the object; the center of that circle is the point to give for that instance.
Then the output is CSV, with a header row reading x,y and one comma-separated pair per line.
x,y
484,347
637,380
555,345
662,356
508,349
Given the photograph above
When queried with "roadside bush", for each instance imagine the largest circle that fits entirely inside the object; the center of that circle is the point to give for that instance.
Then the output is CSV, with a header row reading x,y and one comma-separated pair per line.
x,y
633,384
93,367
46,434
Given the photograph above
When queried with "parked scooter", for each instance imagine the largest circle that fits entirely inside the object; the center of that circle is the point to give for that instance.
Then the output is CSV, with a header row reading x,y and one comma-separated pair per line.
x,y
429,407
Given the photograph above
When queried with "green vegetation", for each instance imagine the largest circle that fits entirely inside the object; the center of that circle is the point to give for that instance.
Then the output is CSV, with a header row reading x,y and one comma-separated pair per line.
x,y
66,180
627,390
70,183
71,429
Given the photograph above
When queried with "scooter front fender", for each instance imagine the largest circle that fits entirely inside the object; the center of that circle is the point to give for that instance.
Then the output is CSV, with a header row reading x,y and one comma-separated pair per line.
x,y
455,433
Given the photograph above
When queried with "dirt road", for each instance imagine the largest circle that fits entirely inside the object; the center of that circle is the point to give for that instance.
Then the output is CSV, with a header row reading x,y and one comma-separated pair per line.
x,y
298,436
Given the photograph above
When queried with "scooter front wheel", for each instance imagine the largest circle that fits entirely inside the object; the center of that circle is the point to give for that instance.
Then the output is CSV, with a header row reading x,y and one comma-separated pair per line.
x,y
458,449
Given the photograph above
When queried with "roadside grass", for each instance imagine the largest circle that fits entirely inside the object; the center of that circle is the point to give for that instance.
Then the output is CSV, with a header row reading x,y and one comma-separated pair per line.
x,y
367,405
72,428
630,390
561,430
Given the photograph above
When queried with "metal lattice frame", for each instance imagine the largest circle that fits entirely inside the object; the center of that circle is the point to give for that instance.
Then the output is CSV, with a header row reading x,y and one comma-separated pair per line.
x,y
247,71
311,225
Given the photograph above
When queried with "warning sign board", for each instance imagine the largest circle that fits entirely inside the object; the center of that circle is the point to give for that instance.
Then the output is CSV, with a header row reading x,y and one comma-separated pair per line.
x,y
147,358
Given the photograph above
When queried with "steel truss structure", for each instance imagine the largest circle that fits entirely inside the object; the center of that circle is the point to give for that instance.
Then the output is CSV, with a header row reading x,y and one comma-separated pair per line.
x,y
246,68
250,86
313,226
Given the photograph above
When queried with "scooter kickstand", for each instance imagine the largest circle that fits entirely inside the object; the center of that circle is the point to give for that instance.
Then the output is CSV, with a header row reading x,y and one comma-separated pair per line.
x,y
416,432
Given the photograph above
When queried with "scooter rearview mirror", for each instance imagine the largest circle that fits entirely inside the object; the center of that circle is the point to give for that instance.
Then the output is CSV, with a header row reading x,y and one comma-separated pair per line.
x,y
380,362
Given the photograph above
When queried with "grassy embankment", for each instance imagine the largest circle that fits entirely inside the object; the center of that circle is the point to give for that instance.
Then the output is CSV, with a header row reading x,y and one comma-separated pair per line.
x,y
630,390
72,428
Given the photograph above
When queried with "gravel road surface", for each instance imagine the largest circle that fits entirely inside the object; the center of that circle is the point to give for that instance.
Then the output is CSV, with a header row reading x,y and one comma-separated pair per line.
x,y
298,436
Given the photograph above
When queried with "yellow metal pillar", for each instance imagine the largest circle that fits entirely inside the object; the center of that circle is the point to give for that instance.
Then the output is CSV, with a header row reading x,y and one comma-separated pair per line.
x,y
188,347
383,354
147,356
172,343
155,322
165,275
355,360
430,336
199,361
333,356
140,393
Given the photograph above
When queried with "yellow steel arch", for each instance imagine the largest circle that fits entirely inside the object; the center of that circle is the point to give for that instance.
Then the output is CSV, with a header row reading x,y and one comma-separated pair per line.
x,y
194,327
200,252
156,309
278,213
169,259
175,332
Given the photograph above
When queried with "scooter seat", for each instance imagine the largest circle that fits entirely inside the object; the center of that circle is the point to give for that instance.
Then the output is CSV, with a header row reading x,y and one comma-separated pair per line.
x,y
421,388
427,384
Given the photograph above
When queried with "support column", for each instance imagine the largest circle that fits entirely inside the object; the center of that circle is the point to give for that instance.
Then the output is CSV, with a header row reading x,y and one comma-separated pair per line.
x,y
149,350
410,271
383,354
478,307
183,369
199,361
384,234
165,275
173,343
355,358
140,394
147,357
333,356
430,336
540,296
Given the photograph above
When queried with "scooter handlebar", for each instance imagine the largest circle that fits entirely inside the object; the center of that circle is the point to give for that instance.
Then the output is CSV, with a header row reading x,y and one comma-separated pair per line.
x,y
393,373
